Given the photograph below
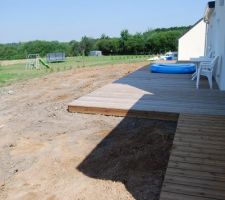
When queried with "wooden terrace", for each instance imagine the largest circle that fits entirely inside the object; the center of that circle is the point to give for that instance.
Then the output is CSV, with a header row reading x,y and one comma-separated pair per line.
x,y
158,96
196,168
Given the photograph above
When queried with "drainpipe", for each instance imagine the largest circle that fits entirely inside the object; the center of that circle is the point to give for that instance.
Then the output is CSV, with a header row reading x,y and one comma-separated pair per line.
x,y
206,39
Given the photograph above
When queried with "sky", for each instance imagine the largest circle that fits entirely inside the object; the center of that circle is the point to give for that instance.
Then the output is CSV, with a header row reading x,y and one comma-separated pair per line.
x,y
66,20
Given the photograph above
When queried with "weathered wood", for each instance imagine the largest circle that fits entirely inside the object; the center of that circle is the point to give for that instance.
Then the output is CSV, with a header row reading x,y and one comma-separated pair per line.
x,y
142,91
199,155
217,185
196,168
195,174
122,113
193,190
176,196
210,140
202,147
194,160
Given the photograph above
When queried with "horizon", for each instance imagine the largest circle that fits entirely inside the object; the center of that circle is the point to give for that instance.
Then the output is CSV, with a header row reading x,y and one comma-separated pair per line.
x,y
67,20
92,37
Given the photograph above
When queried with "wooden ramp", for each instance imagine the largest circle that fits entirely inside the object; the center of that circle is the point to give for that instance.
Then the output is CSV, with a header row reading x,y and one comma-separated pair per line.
x,y
196,169
158,96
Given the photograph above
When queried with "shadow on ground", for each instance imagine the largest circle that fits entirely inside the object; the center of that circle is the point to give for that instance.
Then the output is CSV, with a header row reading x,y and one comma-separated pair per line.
x,y
135,153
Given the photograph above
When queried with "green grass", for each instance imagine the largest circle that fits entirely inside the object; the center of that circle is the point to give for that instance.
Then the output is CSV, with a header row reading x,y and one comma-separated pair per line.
x,y
18,72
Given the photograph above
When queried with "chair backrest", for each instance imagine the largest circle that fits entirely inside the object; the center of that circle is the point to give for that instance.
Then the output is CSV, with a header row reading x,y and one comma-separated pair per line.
x,y
214,62
211,54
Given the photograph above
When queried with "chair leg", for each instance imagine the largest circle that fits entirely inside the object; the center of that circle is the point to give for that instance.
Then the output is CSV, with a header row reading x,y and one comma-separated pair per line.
x,y
198,78
210,81
194,76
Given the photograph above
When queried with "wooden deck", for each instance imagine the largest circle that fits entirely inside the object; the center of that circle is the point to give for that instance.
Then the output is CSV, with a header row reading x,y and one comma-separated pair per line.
x,y
158,96
196,169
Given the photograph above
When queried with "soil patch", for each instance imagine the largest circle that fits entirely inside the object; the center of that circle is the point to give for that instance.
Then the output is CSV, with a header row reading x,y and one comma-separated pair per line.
x,y
136,154
48,153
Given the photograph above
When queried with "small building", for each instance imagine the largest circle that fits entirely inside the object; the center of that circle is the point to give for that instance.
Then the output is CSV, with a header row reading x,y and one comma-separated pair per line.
x,y
214,18
95,53
192,43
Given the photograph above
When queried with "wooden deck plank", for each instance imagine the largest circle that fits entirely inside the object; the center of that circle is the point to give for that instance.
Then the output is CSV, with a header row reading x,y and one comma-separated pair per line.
x,y
124,112
200,161
196,167
176,196
216,185
193,190
146,106
126,102
199,145
199,156
142,91
210,140
195,174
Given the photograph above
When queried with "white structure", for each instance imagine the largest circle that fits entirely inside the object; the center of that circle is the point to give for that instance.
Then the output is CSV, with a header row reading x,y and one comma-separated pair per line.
x,y
192,43
33,61
170,56
95,53
215,20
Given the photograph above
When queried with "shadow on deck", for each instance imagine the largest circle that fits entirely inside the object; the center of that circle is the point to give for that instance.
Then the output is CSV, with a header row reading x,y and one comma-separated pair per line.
x,y
158,96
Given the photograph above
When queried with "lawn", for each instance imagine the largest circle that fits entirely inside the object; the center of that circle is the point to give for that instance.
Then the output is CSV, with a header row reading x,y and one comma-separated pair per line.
x,y
17,72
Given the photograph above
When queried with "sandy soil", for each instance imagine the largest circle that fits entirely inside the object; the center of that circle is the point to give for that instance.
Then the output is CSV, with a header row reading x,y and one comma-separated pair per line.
x,y
48,153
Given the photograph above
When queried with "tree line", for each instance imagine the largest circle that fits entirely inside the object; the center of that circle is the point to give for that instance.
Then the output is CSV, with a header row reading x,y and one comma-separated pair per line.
x,y
153,41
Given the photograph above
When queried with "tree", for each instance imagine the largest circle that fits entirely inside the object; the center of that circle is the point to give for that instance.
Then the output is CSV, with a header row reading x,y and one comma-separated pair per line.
x,y
152,41
124,37
75,48
103,36
135,44
86,45
108,46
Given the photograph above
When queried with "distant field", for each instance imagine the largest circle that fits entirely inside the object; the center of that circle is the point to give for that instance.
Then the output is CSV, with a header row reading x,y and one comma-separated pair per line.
x,y
15,71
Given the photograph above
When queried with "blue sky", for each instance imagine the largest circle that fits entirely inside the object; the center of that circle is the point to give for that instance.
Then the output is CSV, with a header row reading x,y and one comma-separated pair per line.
x,y
65,20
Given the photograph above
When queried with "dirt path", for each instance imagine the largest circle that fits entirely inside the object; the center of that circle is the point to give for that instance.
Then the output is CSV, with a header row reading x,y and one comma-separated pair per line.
x,y
48,153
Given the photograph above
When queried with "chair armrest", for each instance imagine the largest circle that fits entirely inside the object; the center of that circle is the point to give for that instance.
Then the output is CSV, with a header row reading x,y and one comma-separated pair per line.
x,y
205,63
206,66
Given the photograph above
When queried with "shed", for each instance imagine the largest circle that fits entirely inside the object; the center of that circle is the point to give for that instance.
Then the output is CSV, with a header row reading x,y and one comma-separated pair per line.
x,y
95,53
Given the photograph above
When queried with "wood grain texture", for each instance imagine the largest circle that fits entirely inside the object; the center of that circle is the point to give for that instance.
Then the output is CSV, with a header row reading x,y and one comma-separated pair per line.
x,y
196,168
142,93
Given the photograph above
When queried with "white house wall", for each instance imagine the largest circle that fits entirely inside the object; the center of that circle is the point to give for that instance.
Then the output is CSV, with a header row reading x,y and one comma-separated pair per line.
x,y
216,41
192,44
220,44
211,34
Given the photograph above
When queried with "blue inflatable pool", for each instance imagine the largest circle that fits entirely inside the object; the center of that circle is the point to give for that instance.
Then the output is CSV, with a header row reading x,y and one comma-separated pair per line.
x,y
173,68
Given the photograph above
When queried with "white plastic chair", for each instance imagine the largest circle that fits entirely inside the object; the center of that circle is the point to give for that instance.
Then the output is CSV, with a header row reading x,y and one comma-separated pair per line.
x,y
206,69
210,55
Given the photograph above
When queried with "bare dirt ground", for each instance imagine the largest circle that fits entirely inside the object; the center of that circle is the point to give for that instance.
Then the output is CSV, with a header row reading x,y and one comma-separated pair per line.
x,y
48,153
